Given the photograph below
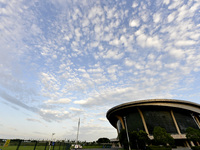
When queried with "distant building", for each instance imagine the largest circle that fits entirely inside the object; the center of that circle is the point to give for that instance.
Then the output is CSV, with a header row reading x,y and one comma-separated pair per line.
x,y
173,115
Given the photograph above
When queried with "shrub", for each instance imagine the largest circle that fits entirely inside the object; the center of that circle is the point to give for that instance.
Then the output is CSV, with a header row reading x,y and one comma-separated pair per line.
x,y
138,139
195,148
153,147
193,134
161,137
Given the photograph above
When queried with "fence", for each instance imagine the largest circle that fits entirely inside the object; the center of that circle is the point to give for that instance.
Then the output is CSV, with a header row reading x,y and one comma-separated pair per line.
x,y
33,145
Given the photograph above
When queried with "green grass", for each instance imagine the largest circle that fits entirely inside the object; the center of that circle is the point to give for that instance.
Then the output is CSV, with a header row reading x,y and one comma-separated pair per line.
x,y
8,148
29,148
89,147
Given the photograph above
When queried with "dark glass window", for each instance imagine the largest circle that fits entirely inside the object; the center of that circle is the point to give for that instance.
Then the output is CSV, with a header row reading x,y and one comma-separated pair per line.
x,y
161,116
134,121
184,120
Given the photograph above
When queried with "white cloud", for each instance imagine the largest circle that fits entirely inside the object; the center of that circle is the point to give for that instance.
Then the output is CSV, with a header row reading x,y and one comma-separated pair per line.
x,y
145,15
123,40
113,54
49,114
171,17
59,101
82,102
166,2
112,69
185,43
90,54
103,119
178,53
81,70
129,62
156,17
77,32
110,12
56,112
114,42
172,65
153,42
49,82
85,22
76,109
97,70
148,41
151,56
195,36
86,75
66,38
134,5
54,56
141,40
195,7
174,4
94,11
35,29
134,23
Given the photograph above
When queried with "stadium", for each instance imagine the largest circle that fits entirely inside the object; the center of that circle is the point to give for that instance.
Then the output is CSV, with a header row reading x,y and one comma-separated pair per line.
x,y
173,115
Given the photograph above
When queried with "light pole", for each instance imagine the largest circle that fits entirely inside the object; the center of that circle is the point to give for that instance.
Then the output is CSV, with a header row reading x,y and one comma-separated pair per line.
x,y
51,140
127,133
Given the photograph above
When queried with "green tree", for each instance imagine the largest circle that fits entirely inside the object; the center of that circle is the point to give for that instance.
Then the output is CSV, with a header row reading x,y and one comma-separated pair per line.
x,y
123,138
103,140
193,134
138,139
143,139
133,136
161,137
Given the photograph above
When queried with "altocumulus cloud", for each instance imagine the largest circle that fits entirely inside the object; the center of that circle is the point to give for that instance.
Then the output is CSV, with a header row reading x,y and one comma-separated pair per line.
x,y
65,60
59,101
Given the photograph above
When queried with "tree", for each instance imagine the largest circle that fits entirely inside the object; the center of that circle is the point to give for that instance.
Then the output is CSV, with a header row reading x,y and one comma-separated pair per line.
x,y
123,138
143,139
161,137
138,139
193,134
133,139
103,140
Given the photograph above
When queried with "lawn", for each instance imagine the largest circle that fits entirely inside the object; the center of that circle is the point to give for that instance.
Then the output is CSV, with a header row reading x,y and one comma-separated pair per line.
x,y
90,147
29,148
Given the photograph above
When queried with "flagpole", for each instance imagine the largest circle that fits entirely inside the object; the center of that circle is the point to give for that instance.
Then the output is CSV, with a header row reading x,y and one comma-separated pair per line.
x,y
78,131
51,141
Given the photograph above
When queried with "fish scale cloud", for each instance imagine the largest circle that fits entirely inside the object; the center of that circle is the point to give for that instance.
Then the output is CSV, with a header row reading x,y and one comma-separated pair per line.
x,y
100,52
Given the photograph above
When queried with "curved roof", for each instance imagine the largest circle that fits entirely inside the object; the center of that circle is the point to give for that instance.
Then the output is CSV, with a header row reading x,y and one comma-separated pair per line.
x,y
194,107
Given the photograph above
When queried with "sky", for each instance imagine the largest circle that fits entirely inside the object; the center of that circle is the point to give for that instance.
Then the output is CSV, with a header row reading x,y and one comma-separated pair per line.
x,y
61,60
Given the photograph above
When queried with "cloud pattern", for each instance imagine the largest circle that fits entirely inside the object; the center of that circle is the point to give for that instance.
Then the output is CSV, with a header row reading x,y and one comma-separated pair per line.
x,y
64,59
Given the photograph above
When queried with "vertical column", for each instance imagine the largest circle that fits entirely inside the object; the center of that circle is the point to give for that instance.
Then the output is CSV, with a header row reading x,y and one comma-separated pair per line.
x,y
121,120
143,121
197,121
123,126
188,145
175,123
192,143
198,144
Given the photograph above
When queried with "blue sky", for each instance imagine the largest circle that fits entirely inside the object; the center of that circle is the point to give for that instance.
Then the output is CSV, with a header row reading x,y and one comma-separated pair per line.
x,y
61,60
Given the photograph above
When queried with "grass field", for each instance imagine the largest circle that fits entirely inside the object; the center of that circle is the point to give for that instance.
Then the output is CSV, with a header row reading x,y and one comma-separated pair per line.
x,y
41,147
29,148
30,145
90,147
